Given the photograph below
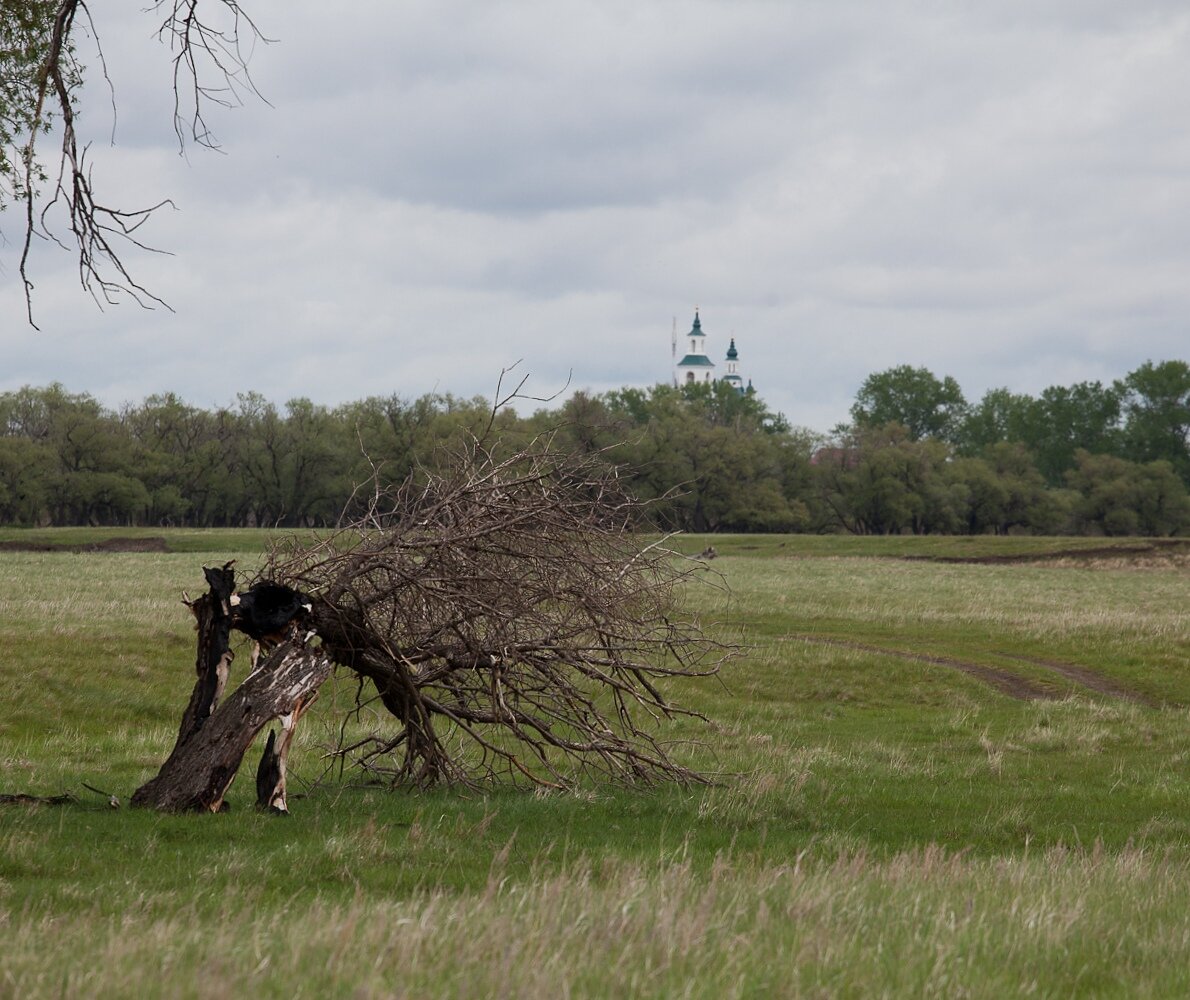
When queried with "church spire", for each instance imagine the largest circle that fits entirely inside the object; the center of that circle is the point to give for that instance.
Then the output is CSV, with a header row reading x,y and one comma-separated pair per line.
x,y
695,367
732,377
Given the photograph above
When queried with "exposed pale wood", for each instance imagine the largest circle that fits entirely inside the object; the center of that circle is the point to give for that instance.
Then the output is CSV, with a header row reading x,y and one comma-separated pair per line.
x,y
270,775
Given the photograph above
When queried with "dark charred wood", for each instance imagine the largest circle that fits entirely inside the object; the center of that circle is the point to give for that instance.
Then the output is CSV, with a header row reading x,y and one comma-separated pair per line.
x,y
268,774
268,611
212,614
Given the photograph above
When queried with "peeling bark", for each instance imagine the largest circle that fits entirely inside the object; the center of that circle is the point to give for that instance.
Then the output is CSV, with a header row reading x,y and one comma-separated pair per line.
x,y
270,774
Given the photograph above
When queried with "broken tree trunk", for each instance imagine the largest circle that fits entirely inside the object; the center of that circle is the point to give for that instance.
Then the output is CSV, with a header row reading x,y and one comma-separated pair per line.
x,y
214,737
200,770
212,613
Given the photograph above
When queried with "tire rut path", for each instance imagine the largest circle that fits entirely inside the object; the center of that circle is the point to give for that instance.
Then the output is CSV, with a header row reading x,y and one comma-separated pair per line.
x,y
1004,681
1087,678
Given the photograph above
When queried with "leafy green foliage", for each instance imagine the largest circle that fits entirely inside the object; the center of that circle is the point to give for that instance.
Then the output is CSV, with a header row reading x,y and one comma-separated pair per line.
x,y
1064,419
707,457
915,398
1000,416
25,36
1119,497
887,483
1156,404
711,458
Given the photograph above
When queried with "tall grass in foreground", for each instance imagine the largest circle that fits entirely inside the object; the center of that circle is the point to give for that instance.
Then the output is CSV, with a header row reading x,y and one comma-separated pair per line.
x,y
924,923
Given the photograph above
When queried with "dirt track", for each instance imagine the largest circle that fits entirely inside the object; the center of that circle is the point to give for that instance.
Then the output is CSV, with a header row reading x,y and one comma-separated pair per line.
x,y
1087,678
1157,550
1005,681
153,543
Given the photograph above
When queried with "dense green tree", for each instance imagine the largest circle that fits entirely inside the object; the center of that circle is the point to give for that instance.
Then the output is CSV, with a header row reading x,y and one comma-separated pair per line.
x,y
1029,504
982,496
999,416
1156,406
25,469
27,462
1118,497
1064,419
706,458
915,398
709,458
722,405
738,484
293,468
89,472
318,461
181,454
29,412
883,482
388,435
103,498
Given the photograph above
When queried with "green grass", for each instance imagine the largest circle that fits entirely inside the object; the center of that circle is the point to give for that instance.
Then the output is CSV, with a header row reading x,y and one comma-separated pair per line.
x,y
885,820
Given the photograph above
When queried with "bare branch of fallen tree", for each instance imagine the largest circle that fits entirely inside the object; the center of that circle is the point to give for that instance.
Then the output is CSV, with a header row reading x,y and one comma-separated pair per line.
x,y
512,622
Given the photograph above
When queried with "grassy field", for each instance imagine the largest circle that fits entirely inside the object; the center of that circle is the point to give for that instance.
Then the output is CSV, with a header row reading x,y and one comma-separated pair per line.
x,y
944,767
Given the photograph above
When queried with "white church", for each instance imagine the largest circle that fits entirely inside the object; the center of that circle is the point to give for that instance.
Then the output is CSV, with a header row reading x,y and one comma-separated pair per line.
x,y
696,366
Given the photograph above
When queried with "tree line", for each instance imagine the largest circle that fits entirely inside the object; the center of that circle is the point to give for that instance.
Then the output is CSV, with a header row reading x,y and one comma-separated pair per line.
x,y
1087,458
917,457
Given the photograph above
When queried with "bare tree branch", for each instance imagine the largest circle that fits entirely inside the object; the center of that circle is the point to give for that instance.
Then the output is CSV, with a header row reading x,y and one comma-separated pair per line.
x,y
206,50
210,67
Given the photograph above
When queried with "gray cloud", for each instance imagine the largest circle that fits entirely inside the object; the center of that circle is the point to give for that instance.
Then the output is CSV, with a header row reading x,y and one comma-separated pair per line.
x,y
997,191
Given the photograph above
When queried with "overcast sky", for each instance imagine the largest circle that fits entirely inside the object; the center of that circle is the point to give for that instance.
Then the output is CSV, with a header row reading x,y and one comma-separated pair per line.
x,y
999,191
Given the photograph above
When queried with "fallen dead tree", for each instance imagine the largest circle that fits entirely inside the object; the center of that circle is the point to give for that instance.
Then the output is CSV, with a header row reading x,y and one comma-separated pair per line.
x,y
505,617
